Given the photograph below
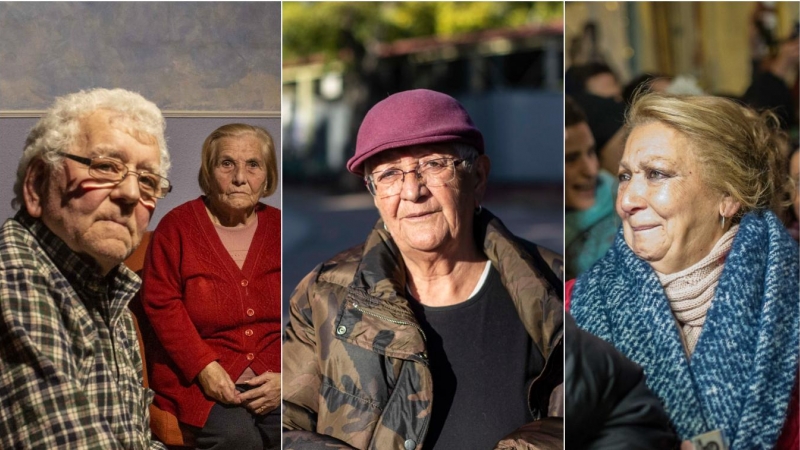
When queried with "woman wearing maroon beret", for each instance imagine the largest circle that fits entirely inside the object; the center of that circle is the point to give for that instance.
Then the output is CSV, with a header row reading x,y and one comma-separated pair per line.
x,y
212,294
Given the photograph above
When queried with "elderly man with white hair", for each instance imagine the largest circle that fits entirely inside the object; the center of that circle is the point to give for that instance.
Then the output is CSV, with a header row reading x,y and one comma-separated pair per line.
x,y
93,170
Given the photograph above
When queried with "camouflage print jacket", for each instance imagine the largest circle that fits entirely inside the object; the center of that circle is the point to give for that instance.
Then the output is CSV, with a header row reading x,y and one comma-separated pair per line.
x,y
355,368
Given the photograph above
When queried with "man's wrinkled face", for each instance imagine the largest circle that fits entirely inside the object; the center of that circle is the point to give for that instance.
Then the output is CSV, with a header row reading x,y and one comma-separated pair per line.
x,y
104,223
424,218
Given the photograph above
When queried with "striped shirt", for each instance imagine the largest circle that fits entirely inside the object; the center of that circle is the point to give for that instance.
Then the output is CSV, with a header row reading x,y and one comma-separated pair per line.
x,y
70,367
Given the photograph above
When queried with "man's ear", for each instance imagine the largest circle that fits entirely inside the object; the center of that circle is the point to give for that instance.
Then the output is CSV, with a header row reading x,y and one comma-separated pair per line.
x,y
33,187
483,165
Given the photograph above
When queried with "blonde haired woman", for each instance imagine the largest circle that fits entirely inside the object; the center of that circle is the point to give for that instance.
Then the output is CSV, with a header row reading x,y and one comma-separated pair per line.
x,y
701,285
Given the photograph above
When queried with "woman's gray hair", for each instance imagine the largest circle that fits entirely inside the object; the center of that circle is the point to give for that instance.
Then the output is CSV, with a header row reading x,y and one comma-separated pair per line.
x,y
59,128
211,149
741,152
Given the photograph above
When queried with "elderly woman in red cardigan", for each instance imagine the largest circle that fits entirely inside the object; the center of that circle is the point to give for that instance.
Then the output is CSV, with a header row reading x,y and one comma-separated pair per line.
x,y
212,294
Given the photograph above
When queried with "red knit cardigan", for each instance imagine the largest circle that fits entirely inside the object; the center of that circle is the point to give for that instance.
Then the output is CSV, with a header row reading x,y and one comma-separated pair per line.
x,y
203,308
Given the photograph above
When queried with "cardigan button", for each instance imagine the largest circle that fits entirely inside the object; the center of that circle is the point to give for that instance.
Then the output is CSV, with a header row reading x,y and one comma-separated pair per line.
x,y
409,444
248,332
341,330
250,356
250,312
244,283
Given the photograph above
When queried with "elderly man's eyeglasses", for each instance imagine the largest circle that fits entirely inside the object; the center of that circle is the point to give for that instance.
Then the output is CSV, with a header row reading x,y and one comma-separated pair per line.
x,y
431,173
113,171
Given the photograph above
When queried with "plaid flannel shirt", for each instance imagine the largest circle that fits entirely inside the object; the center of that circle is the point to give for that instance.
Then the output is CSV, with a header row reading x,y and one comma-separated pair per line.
x,y
70,368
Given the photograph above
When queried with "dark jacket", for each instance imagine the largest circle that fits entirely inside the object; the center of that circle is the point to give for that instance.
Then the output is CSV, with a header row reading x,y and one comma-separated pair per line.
x,y
355,366
608,405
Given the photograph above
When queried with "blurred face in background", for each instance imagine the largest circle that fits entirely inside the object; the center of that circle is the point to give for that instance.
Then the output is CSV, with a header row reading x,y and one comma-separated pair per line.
x,y
580,167
604,85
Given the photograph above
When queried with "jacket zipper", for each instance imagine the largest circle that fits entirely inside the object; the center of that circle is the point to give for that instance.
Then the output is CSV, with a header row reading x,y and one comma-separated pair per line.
x,y
424,355
389,319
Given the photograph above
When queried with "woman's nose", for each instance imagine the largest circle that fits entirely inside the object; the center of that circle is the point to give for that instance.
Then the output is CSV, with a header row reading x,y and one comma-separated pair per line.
x,y
631,196
239,174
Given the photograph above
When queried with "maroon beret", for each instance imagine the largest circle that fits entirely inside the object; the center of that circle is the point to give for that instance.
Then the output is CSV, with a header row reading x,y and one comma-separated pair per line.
x,y
410,118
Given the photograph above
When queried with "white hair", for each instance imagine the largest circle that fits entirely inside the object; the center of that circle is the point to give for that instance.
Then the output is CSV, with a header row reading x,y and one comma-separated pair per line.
x,y
59,128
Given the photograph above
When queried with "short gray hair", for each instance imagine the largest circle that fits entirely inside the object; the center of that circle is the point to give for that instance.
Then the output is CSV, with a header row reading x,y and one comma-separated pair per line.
x,y
60,126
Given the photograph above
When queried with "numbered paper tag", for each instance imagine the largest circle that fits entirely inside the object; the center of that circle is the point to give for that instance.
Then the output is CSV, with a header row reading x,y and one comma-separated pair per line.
x,y
713,440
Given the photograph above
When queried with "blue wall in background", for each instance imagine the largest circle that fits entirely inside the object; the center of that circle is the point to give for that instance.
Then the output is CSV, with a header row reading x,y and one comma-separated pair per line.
x,y
209,56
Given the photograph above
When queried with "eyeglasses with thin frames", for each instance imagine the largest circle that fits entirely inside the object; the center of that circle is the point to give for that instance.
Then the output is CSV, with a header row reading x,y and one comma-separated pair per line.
x,y
431,173
113,171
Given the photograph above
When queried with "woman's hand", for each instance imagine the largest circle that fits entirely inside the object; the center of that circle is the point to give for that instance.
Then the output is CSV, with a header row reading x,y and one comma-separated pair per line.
x,y
217,384
265,396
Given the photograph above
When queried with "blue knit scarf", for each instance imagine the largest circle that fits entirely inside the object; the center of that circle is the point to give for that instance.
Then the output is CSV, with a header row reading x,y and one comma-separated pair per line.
x,y
742,371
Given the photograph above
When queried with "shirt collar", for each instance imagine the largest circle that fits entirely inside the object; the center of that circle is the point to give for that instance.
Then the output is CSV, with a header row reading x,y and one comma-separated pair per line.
x,y
83,274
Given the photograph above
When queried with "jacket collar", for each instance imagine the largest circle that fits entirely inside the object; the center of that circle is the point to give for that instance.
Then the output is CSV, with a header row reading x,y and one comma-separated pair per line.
x,y
376,314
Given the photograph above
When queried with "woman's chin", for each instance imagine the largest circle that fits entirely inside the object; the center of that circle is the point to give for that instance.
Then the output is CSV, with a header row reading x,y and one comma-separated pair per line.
x,y
240,203
647,253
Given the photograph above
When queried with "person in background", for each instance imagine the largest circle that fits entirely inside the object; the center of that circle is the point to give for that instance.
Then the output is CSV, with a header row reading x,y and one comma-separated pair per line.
x,y
597,78
700,286
602,103
584,49
92,172
771,88
590,221
649,81
212,285
443,330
